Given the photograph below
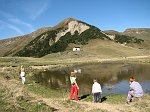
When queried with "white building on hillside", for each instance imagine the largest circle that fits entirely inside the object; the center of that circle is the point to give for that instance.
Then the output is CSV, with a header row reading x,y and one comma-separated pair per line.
x,y
76,49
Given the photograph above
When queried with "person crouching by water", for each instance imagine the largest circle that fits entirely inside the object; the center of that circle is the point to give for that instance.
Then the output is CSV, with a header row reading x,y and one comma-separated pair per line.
x,y
135,90
22,74
97,91
74,86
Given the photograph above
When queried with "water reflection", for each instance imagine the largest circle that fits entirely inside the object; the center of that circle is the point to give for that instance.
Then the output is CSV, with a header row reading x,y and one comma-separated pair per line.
x,y
112,77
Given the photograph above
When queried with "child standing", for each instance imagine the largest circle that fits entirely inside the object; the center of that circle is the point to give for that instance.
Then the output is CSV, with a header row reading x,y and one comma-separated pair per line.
x,y
22,74
74,86
97,91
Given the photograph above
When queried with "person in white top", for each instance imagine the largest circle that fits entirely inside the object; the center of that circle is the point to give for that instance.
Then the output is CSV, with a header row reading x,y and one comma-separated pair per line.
x,y
97,91
22,74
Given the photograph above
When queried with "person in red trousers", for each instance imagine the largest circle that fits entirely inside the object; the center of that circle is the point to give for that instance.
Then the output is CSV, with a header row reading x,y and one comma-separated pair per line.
x,y
74,86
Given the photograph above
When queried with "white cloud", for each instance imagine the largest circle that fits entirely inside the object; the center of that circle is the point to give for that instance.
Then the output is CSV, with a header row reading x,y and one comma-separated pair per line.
x,y
14,20
3,23
5,14
39,9
18,21
32,9
15,28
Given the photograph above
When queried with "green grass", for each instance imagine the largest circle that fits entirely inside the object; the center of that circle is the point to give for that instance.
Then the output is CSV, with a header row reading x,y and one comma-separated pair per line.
x,y
98,110
116,99
111,99
7,104
143,105
3,102
46,92
72,106
35,107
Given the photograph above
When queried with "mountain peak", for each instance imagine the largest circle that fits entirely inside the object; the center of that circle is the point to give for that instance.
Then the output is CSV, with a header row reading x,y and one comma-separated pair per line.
x,y
65,22
68,20
111,32
70,25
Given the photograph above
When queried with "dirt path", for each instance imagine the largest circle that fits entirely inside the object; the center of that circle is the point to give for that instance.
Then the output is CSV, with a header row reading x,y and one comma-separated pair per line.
x,y
107,107
124,58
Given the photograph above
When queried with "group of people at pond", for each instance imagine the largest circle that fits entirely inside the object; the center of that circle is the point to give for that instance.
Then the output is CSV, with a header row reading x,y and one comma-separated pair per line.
x,y
134,91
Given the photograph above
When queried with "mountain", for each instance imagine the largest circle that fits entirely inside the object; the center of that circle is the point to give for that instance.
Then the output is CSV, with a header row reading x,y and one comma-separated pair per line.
x,y
12,45
58,38
111,32
140,33
143,33
134,31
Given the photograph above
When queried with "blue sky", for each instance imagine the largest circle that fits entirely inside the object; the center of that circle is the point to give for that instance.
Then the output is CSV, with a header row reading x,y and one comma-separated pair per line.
x,y
19,17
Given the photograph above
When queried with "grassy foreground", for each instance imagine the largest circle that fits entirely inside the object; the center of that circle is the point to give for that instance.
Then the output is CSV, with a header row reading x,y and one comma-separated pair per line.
x,y
7,104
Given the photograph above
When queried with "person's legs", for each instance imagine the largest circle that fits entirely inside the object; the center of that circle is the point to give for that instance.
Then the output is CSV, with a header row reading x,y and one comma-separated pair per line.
x,y
99,97
76,93
130,96
71,92
94,97
23,80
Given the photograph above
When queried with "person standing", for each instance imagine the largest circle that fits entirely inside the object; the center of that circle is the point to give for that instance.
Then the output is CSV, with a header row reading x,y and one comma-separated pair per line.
x,y
74,86
135,90
22,74
97,91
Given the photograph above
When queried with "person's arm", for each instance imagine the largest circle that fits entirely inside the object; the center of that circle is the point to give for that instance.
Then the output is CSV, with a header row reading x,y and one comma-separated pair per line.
x,y
100,88
131,87
92,89
76,82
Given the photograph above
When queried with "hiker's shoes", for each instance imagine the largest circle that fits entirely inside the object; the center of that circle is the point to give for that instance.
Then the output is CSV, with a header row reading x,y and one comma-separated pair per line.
x,y
130,100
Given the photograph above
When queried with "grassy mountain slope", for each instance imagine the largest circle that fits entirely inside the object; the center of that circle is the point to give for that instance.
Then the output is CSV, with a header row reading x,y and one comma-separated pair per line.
x,y
140,33
96,49
9,47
